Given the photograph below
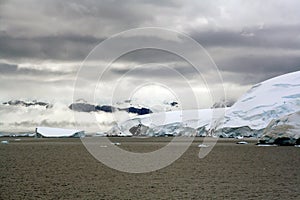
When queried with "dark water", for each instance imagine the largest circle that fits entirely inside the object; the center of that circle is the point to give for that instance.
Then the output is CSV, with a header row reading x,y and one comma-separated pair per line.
x,y
63,169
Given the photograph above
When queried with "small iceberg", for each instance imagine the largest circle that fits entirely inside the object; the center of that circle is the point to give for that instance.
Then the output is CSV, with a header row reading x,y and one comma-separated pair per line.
x,y
242,142
116,143
203,145
298,145
4,142
100,134
267,145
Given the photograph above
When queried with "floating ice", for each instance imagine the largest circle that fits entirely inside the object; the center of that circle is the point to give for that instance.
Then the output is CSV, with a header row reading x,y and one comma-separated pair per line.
x,y
58,132
203,145
242,142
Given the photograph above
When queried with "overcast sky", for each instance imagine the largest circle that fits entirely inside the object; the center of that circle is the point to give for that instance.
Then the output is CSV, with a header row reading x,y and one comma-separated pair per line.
x,y
43,43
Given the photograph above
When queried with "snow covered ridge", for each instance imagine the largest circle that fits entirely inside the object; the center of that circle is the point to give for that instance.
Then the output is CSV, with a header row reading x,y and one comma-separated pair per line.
x,y
175,123
266,101
249,116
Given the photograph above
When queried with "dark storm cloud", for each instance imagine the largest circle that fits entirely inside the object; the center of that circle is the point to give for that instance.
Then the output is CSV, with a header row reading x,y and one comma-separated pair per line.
x,y
63,47
253,54
90,17
262,63
8,68
251,69
284,36
249,41
156,70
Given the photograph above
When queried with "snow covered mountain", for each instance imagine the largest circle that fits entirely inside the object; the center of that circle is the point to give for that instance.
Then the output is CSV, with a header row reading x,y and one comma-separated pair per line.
x,y
249,116
265,101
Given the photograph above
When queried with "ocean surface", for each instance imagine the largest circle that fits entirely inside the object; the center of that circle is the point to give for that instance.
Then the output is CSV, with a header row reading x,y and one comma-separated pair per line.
x,y
63,169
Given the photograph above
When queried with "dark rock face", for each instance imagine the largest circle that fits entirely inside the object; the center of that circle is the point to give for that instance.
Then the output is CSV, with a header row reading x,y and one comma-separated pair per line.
x,y
285,141
174,103
281,141
85,107
239,131
82,107
105,108
27,104
139,111
138,130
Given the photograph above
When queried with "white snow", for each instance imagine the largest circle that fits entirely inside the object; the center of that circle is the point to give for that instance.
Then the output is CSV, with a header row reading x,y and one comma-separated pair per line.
x,y
203,145
264,102
58,132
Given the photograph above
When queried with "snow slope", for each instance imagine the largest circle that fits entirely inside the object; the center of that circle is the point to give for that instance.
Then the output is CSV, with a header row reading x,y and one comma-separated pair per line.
x,y
264,102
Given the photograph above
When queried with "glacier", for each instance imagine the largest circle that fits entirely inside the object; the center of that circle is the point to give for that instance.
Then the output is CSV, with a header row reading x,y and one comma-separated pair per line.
x,y
248,116
283,131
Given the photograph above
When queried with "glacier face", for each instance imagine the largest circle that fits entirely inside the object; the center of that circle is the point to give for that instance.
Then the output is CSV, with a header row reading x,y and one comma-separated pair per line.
x,y
177,123
287,128
250,115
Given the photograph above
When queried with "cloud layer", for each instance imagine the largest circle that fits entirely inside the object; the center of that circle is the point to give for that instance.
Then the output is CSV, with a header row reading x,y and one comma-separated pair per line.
x,y
43,44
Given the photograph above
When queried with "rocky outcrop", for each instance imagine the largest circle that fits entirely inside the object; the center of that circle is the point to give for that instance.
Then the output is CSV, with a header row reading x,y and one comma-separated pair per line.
x,y
85,107
27,104
139,130
82,107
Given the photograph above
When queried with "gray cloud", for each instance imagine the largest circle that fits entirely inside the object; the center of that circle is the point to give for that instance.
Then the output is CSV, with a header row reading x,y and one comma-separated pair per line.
x,y
8,68
14,70
249,41
283,36
63,47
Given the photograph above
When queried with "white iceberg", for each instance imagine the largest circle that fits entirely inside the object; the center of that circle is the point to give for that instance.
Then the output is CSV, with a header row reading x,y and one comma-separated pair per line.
x,y
203,145
242,142
58,132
